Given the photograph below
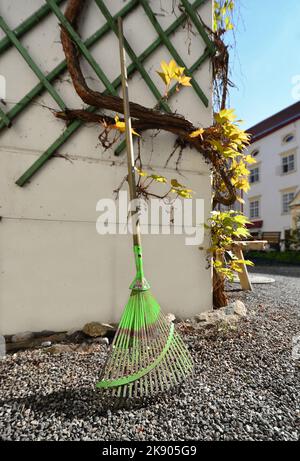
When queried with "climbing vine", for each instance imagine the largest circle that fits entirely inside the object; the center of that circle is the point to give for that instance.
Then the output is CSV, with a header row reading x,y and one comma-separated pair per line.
x,y
225,228
222,145
223,23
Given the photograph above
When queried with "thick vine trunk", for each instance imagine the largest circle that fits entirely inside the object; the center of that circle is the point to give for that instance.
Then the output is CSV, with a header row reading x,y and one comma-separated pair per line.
x,y
219,296
144,118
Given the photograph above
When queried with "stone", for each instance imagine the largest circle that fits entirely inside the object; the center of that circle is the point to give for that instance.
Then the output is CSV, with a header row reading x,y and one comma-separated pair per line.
x,y
60,348
210,318
230,314
34,340
23,336
72,331
100,340
239,308
94,329
170,317
77,336
43,333
46,344
203,317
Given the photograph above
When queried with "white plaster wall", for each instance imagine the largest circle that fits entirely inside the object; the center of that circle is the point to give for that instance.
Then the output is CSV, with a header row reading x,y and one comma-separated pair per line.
x,y
272,183
56,272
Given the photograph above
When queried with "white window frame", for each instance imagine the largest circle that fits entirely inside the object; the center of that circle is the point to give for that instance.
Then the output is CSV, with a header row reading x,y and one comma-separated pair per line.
x,y
257,175
257,208
288,135
288,159
285,203
255,152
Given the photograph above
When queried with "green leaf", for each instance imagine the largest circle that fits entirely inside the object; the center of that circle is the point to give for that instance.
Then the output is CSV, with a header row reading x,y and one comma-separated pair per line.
x,y
175,183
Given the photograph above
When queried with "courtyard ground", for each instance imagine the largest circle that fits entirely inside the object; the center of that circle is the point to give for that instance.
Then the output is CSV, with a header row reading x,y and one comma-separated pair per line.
x,y
246,384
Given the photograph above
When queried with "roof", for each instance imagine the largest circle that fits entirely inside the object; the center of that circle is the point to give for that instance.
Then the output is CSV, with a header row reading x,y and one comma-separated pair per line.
x,y
275,122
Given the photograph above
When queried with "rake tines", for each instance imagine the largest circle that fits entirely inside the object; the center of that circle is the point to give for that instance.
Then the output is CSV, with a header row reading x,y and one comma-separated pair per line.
x,y
147,355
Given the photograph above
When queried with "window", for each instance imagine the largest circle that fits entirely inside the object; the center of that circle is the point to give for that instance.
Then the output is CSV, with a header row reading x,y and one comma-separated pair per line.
x,y
254,209
288,138
254,175
287,198
288,163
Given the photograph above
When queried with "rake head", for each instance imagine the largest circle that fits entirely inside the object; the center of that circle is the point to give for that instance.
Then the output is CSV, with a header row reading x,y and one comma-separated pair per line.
x,y
147,355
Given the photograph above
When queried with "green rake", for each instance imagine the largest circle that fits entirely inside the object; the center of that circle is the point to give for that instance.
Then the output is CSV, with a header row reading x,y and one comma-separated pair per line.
x,y
147,355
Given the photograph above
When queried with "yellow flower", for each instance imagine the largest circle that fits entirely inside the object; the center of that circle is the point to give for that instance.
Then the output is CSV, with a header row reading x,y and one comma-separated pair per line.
x,y
121,126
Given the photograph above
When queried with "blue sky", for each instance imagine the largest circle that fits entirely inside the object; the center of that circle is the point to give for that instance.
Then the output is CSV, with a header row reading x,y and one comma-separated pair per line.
x,y
265,57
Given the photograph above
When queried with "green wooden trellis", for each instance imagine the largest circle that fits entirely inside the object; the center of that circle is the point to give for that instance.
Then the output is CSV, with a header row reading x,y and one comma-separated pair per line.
x,y
13,37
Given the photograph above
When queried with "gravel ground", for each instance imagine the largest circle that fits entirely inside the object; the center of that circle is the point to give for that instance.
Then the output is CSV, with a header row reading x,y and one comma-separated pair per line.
x,y
246,385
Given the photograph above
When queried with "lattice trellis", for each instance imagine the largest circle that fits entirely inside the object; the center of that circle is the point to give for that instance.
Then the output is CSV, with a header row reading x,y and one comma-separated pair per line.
x,y
45,81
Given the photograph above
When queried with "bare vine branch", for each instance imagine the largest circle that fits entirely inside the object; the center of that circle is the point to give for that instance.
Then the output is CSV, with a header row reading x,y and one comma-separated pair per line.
x,y
143,118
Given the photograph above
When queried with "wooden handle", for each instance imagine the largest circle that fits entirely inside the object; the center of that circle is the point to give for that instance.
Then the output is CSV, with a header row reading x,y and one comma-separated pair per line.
x,y
129,141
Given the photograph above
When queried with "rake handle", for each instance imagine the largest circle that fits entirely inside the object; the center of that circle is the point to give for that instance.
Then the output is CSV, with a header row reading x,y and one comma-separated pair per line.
x,y
128,132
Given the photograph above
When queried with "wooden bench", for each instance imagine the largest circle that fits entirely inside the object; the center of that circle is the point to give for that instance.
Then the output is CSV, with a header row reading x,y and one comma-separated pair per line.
x,y
273,239
238,248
